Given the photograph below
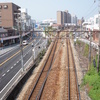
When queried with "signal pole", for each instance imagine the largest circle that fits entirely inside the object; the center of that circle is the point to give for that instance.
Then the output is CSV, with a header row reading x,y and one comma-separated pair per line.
x,y
98,65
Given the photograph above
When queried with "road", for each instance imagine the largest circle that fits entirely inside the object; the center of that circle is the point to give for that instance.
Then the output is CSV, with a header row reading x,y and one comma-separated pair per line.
x,y
10,63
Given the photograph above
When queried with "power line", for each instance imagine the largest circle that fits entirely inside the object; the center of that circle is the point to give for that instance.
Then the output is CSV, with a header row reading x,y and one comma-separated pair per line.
x,y
90,7
94,10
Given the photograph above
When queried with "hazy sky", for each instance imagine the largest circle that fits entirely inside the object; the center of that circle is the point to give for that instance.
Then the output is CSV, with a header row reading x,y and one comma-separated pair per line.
x,y
45,9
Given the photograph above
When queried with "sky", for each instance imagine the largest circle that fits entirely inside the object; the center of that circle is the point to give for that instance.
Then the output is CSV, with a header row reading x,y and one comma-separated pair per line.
x,y
46,9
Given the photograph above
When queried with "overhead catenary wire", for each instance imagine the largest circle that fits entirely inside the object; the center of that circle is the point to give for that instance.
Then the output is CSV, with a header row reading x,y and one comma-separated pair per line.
x,y
90,7
93,11
90,10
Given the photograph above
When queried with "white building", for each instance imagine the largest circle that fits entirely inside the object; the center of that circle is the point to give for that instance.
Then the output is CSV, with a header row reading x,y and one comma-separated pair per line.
x,y
96,22
74,19
48,22
24,15
27,22
33,22
92,23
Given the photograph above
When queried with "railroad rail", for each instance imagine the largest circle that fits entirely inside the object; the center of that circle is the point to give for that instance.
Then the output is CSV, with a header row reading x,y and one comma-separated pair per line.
x,y
73,89
37,90
68,70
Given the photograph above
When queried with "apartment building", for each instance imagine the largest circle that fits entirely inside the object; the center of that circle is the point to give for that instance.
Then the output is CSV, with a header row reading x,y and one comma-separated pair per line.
x,y
74,19
92,24
8,15
68,19
27,22
25,19
63,17
59,17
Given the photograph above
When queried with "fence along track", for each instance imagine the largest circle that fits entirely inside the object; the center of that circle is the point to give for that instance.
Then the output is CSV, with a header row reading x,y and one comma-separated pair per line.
x,y
73,90
41,79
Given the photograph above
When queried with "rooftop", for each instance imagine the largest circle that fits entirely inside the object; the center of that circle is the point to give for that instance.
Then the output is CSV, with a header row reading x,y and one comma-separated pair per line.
x,y
9,3
2,30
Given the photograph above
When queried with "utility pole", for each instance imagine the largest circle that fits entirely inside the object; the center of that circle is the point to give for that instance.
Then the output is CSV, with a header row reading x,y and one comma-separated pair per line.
x,y
21,46
90,52
80,28
98,65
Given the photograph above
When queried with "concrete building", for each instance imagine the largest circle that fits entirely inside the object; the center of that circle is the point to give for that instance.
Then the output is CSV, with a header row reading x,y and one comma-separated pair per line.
x,y
74,19
92,24
26,21
68,17
34,23
11,19
8,15
79,22
95,22
57,26
59,17
24,15
47,22
63,17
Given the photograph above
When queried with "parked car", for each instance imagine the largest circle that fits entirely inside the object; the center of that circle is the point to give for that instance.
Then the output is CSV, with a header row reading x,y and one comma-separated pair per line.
x,y
32,45
25,42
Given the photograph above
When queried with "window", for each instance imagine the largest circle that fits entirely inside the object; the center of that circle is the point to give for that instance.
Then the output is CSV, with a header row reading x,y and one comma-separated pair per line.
x,y
0,7
5,6
0,22
96,20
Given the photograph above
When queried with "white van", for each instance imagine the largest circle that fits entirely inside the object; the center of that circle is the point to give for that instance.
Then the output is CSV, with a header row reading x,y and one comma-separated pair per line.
x,y
25,42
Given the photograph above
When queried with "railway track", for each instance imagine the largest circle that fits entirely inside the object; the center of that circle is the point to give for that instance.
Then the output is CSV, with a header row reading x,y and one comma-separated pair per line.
x,y
73,89
73,92
37,90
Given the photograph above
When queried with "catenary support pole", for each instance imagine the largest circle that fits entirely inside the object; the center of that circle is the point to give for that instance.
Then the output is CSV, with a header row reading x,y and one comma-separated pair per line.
x,y
98,65
90,51
21,46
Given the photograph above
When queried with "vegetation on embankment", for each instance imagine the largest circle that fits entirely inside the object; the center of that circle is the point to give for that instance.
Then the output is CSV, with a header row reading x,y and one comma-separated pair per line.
x,y
86,50
40,56
92,82
85,47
